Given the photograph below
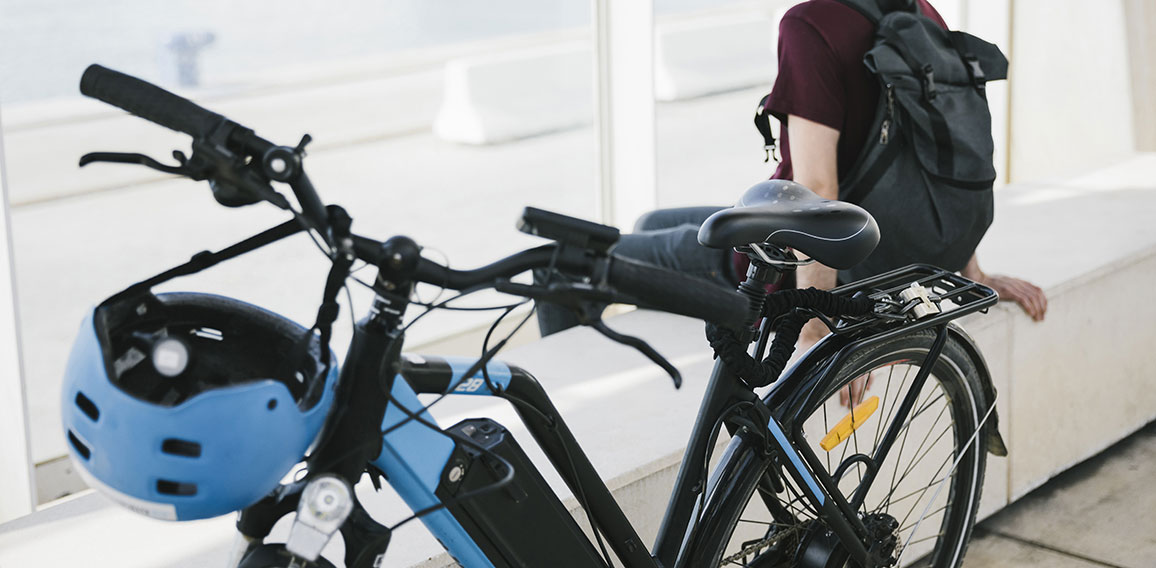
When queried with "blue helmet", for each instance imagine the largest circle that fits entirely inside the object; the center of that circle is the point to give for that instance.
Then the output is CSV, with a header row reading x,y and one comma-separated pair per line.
x,y
186,406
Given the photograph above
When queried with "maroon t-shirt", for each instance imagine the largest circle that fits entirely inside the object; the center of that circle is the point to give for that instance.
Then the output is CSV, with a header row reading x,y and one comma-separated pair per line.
x,y
822,76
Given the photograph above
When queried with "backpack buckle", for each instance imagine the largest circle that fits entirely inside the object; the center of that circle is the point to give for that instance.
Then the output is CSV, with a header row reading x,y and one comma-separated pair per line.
x,y
771,154
929,83
975,71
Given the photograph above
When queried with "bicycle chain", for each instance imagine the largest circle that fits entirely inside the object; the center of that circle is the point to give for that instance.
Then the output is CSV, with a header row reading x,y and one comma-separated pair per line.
x,y
756,547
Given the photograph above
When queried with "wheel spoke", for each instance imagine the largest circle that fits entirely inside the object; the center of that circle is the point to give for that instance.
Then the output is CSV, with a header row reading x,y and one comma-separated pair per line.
x,y
764,523
905,430
929,514
893,404
888,502
925,489
926,538
916,462
826,428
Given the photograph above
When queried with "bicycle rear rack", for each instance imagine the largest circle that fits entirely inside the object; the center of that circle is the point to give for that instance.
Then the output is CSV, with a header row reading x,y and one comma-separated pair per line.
x,y
953,295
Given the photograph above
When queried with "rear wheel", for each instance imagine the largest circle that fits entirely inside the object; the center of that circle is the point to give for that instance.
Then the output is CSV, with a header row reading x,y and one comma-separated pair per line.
x,y
923,500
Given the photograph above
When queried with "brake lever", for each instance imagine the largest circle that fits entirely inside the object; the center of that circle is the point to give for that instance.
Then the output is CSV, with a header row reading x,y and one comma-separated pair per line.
x,y
182,169
589,312
642,347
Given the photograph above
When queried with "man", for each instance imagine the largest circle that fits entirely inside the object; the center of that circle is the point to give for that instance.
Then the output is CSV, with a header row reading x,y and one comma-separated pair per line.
x,y
825,100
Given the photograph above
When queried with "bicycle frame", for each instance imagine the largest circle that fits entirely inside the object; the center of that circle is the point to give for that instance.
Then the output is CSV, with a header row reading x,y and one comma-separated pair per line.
x,y
415,457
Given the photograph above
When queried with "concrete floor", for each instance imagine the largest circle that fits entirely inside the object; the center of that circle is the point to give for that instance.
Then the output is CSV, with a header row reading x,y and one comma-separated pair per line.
x,y
1101,512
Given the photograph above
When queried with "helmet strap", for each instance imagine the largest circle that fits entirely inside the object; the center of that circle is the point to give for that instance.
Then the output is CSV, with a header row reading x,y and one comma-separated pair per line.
x,y
207,259
343,257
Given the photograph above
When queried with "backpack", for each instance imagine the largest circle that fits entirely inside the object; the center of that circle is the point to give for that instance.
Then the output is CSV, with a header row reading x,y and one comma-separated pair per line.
x,y
927,175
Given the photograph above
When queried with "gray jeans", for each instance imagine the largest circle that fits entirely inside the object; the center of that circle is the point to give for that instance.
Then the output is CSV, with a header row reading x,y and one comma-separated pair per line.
x,y
666,238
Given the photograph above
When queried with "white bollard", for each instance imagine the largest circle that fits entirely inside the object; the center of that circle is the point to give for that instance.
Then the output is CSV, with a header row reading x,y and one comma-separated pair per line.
x,y
506,96
705,55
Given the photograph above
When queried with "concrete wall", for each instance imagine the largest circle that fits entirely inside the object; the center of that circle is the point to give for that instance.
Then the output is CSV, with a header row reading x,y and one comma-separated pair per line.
x,y
16,494
991,20
1071,95
1140,16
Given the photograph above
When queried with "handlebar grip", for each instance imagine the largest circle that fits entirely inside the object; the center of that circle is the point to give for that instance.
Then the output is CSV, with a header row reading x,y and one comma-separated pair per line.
x,y
677,293
148,101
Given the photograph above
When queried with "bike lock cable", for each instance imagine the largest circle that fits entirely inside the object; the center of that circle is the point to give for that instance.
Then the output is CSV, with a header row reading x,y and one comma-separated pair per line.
x,y
780,306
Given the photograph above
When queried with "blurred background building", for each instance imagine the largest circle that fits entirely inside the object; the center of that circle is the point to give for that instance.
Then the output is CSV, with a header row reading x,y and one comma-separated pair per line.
x,y
441,119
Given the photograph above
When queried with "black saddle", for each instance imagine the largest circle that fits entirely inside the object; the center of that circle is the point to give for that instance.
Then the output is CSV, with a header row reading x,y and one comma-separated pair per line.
x,y
784,213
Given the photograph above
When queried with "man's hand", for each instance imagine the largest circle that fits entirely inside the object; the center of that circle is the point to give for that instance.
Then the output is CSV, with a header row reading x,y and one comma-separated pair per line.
x,y
1029,296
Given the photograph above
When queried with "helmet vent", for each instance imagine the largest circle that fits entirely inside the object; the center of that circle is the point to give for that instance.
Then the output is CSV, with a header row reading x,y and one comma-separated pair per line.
x,y
87,406
178,447
79,446
167,487
209,333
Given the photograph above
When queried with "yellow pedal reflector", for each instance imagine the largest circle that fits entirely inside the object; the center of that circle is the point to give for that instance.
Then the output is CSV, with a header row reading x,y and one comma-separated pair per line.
x,y
849,423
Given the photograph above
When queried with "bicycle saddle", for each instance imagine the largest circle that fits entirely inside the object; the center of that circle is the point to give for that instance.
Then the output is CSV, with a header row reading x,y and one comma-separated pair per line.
x,y
784,213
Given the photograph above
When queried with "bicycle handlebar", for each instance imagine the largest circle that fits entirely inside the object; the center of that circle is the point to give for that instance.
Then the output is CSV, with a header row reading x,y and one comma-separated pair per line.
x,y
675,292
148,101
631,282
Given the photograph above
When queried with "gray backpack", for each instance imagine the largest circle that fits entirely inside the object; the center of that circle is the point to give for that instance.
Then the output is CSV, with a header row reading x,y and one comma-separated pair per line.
x,y
926,174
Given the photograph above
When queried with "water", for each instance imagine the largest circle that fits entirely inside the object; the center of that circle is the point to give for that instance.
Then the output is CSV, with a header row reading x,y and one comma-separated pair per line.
x,y
46,44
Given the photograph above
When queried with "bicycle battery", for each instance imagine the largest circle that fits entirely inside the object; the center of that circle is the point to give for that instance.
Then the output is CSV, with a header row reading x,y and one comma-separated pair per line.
x,y
520,524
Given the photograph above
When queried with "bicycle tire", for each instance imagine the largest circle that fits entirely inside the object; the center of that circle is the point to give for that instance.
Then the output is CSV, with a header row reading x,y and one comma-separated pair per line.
x,y
742,470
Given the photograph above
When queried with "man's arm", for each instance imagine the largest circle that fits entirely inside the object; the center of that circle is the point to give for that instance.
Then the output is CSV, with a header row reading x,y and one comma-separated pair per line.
x,y
814,150
813,156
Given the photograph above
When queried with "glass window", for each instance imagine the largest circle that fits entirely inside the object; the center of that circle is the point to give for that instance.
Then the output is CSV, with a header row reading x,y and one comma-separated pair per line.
x,y
507,82
713,64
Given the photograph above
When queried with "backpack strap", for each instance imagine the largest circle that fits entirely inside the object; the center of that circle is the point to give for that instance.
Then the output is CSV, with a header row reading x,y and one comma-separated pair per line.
x,y
763,124
970,62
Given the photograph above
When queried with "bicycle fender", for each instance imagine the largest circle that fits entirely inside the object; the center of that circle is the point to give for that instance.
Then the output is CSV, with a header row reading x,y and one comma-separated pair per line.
x,y
994,443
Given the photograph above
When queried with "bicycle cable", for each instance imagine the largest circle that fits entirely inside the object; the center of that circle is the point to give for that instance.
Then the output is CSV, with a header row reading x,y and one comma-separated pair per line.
x,y
482,365
411,416
505,480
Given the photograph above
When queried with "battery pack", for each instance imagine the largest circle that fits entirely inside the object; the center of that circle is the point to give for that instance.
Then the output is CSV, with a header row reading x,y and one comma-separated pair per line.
x,y
522,524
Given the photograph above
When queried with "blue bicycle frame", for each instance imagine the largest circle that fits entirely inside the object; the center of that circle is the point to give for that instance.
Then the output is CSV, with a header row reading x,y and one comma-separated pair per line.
x,y
413,455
